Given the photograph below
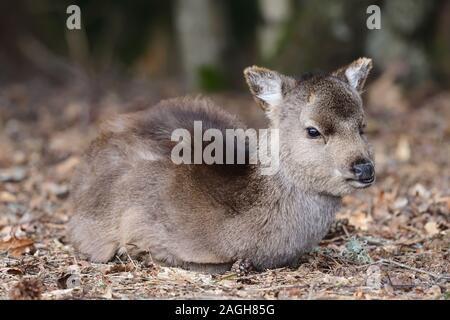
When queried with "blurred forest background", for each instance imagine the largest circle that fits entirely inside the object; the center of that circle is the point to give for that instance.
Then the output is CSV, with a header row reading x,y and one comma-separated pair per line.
x,y
205,44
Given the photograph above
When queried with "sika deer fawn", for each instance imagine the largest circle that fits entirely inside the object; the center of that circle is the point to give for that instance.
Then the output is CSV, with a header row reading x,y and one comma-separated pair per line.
x,y
129,195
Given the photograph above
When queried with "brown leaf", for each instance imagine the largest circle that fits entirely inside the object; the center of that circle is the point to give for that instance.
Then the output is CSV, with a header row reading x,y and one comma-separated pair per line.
x,y
359,294
17,247
117,268
67,166
27,289
360,220
7,197
14,271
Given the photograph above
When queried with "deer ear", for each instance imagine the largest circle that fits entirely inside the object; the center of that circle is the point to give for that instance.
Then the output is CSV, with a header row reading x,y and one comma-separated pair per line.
x,y
355,74
268,87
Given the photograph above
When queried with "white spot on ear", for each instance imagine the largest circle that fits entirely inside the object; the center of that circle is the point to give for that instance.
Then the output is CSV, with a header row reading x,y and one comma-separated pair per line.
x,y
353,75
357,72
271,98
265,84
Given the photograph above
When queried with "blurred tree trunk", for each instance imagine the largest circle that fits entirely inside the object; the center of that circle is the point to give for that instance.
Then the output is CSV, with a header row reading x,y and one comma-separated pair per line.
x,y
78,47
398,41
275,15
200,32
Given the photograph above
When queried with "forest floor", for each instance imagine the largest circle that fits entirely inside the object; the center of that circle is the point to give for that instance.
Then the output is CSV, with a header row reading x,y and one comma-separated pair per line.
x,y
391,241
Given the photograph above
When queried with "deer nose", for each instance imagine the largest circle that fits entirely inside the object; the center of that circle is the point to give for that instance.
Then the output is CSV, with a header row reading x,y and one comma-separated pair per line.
x,y
364,171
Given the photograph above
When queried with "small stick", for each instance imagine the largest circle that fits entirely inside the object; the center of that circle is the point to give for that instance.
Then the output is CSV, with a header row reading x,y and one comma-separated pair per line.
x,y
332,239
346,231
120,260
228,276
411,268
412,229
132,261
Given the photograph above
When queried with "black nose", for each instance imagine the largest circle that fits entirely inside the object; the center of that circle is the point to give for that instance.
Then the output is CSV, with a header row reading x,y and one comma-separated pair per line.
x,y
364,170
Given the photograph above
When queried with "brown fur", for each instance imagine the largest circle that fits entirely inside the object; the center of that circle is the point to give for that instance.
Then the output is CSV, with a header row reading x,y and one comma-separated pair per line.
x,y
128,194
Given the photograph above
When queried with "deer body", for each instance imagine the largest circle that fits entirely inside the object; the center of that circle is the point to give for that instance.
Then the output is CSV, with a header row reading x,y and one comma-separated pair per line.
x,y
129,195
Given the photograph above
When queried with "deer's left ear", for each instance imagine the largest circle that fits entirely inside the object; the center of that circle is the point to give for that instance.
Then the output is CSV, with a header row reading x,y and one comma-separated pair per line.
x,y
355,74
268,87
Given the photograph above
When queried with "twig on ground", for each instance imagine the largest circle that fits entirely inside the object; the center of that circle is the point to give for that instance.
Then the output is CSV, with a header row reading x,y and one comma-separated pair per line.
x,y
132,261
432,274
347,234
280,287
227,276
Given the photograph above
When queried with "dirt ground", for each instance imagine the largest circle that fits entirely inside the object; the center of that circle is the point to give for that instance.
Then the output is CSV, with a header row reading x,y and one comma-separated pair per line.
x,y
391,241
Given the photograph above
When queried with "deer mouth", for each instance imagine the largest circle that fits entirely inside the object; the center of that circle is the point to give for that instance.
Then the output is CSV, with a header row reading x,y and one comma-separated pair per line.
x,y
361,183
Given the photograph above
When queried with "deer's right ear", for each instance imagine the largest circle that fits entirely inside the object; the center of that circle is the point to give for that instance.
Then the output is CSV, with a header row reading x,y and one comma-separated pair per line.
x,y
268,87
356,73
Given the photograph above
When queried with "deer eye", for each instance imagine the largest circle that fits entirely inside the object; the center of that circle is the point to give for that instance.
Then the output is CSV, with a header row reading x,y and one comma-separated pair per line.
x,y
313,132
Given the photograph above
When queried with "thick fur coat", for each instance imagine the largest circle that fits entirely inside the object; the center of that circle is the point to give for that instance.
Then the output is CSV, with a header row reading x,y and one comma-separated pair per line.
x,y
129,196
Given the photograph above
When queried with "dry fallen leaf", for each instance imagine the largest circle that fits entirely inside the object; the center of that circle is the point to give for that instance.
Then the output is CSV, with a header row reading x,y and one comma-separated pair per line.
x,y
7,197
67,166
403,151
17,247
431,228
14,271
117,268
359,294
360,220
27,289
